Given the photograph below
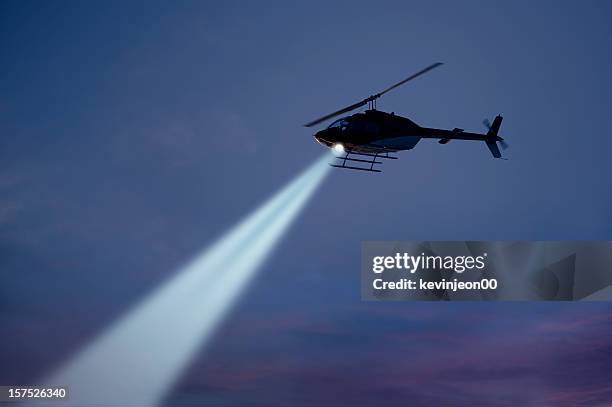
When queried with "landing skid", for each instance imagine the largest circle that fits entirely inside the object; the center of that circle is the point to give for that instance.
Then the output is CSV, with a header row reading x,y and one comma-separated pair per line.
x,y
372,161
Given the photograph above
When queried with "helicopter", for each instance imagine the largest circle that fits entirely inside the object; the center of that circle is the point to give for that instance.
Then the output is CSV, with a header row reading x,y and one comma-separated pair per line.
x,y
363,138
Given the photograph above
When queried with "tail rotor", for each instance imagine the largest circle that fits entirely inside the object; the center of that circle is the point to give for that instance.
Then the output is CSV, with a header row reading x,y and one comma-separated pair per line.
x,y
491,138
503,144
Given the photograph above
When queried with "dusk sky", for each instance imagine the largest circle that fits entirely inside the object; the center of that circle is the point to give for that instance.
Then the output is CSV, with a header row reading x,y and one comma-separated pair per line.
x,y
132,136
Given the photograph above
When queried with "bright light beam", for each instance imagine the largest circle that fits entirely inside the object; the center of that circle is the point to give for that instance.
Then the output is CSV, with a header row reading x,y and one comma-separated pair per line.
x,y
136,361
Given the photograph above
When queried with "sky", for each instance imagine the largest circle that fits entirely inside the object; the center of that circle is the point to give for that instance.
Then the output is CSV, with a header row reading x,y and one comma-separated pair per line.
x,y
133,135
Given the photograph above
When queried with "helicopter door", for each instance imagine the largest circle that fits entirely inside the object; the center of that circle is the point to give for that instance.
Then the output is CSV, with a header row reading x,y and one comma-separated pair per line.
x,y
371,130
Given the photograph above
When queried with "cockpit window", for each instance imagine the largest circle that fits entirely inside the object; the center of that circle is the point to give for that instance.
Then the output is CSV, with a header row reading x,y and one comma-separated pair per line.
x,y
335,124
342,123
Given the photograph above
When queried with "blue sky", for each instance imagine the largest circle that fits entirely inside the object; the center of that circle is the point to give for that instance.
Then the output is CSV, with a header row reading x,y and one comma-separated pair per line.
x,y
133,135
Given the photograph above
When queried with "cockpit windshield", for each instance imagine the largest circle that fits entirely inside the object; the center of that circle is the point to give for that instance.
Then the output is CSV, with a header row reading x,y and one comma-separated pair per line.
x,y
341,123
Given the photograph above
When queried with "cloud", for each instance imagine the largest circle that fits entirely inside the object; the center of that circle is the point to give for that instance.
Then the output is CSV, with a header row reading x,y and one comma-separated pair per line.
x,y
444,359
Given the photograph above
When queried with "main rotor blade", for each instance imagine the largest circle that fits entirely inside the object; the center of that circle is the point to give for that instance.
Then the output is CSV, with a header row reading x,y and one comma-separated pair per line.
x,y
373,97
338,112
411,77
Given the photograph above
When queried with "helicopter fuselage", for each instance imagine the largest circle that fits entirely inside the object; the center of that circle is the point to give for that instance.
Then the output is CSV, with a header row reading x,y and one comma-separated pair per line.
x,y
375,130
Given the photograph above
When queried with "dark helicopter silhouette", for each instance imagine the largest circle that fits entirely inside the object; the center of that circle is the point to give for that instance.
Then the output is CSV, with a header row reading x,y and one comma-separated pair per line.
x,y
375,134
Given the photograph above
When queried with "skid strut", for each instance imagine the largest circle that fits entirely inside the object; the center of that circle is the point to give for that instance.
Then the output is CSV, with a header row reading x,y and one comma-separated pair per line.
x,y
341,163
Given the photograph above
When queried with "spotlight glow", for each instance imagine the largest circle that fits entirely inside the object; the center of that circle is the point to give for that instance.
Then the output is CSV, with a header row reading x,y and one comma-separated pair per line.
x,y
136,361
338,148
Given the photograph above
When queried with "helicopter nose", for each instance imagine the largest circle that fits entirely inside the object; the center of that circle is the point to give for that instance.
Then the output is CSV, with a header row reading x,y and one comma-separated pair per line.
x,y
322,137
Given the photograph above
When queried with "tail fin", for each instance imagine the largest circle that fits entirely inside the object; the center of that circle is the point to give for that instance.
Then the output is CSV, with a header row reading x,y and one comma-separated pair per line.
x,y
495,127
493,138
493,148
